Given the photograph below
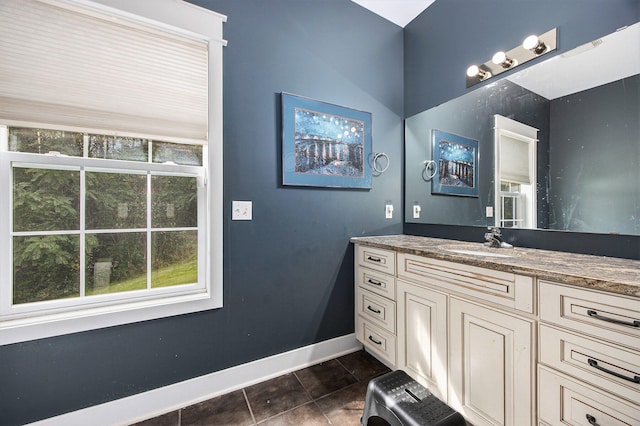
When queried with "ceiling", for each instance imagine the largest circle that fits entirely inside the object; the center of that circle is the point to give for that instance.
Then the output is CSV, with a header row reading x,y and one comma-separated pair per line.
x,y
400,12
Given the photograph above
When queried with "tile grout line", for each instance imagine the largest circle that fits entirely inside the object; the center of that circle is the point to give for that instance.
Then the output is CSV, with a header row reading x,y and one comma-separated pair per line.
x,y
315,400
347,370
292,408
303,386
322,411
246,399
312,399
284,412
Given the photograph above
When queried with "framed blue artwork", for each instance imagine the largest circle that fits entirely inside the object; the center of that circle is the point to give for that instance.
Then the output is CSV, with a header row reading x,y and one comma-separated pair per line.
x,y
456,158
324,145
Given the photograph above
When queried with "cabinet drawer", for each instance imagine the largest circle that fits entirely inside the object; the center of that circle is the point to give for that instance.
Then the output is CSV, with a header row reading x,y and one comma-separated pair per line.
x,y
565,401
504,288
376,309
376,282
378,341
607,316
609,367
375,258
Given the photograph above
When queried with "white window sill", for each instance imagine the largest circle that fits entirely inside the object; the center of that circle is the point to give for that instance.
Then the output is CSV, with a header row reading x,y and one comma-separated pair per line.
x,y
25,329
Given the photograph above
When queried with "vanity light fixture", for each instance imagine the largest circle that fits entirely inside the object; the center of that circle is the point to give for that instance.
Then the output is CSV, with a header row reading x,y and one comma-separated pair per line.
x,y
531,48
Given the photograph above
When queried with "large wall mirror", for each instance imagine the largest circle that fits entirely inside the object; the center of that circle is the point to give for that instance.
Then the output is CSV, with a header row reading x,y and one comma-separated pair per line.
x,y
584,163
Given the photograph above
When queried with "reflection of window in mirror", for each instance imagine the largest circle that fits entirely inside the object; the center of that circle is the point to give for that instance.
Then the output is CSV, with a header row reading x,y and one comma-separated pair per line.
x,y
515,173
513,203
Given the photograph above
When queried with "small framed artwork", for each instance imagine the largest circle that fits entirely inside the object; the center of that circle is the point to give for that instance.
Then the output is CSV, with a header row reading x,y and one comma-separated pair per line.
x,y
456,158
324,145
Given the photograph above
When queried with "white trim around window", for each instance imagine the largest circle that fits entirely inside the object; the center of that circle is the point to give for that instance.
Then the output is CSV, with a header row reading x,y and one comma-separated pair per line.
x,y
177,17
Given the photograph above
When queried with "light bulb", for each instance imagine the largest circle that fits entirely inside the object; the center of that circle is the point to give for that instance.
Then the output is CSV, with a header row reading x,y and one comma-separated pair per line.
x,y
500,58
473,71
534,44
530,42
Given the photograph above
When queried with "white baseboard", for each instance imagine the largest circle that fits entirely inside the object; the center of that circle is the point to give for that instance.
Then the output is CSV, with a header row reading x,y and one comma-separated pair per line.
x,y
168,398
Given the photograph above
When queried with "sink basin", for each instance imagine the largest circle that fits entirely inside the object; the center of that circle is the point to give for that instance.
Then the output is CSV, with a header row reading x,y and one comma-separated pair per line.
x,y
478,253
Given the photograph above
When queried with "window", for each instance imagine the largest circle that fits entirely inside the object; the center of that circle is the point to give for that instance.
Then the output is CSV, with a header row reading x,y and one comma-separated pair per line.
x,y
512,203
128,227
110,160
515,173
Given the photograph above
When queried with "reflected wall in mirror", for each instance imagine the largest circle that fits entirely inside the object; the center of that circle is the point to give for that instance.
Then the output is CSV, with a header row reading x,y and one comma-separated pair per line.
x,y
585,104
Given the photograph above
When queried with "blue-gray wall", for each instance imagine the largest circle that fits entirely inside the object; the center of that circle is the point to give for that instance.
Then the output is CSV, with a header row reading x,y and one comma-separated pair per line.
x,y
288,274
594,157
452,34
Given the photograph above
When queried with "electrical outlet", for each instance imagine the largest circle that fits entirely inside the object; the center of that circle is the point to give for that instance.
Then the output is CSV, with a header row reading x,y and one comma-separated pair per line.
x,y
388,211
241,210
489,211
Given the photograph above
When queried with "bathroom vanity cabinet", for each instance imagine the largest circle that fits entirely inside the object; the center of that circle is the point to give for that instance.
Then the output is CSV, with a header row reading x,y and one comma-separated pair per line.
x,y
495,337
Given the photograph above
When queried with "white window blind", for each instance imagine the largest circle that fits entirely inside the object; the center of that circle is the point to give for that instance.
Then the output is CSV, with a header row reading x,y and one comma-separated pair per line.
x,y
67,66
514,160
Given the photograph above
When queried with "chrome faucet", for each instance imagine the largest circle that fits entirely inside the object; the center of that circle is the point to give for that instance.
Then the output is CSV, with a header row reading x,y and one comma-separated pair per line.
x,y
493,237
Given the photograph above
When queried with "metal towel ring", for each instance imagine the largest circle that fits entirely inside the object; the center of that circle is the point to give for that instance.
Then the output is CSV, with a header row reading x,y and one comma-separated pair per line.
x,y
374,163
425,172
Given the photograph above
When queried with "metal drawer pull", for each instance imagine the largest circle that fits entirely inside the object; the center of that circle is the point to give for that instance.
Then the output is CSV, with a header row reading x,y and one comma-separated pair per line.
x,y
375,311
594,364
594,314
377,342
374,259
374,282
592,420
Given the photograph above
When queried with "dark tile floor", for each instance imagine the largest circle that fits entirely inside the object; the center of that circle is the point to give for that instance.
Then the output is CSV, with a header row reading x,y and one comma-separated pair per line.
x,y
332,392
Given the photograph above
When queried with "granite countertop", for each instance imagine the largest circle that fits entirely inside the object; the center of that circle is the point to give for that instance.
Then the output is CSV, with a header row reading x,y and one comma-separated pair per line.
x,y
621,276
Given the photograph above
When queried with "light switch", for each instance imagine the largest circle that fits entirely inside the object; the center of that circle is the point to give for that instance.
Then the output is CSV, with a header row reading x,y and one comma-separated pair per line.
x,y
416,211
241,210
388,211
489,211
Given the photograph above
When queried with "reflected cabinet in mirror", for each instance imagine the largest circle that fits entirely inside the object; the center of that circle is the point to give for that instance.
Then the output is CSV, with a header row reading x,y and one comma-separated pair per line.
x,y
558,145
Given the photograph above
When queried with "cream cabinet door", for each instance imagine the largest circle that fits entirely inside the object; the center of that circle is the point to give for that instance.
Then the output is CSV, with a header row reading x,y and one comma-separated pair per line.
x,y
422,336
491,365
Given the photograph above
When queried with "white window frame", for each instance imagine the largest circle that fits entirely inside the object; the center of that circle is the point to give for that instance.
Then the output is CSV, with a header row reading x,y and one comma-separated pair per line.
x,y
176,16
519,203
504,126
96,165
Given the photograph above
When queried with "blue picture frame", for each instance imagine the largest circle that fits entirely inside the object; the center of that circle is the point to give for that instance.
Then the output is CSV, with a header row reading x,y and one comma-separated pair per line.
x,y
324,145
456,158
